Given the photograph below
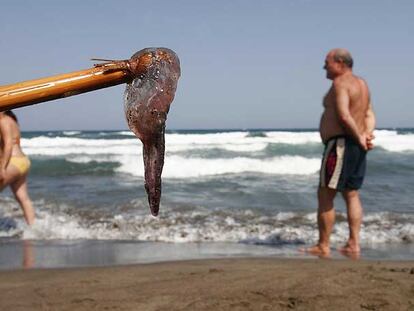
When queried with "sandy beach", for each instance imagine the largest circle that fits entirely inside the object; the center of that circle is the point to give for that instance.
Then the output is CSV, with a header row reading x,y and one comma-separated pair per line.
x,y
219,284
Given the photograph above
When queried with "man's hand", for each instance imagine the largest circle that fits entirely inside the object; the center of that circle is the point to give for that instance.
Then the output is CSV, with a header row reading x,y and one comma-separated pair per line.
x,y
370,143
366,141
363,141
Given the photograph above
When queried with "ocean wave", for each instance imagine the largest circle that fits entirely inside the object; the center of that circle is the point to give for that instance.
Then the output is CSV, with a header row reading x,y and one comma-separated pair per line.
x,y
393,141
93,166
71,133
126,133
60,146
196,224
199,155
123,142
256,134
180,167
174,167
215,226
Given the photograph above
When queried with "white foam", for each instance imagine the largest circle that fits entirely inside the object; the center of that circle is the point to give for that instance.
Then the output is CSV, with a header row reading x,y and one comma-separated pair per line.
x,y
392,141
128,151
234,141
126,133
180,167
294,138
49,226
280,228
61,146
238,141
246,147
71,133
204,225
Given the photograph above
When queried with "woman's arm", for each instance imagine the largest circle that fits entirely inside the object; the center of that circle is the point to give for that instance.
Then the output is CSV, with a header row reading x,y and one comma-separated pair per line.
x,y
7,143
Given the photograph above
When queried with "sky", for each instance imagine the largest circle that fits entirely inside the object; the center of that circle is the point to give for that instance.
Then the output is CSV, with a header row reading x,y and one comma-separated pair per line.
x,y
244,64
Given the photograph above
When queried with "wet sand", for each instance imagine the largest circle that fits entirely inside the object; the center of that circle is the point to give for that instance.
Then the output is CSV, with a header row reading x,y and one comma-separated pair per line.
x,y
220,284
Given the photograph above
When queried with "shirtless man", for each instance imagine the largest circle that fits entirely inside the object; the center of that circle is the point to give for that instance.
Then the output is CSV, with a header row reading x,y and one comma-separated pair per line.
x,y
14,164
346,129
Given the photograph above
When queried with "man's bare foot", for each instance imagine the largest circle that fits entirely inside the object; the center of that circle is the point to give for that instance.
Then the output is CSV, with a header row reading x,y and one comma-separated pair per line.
x,y
349,248
317,250
353,252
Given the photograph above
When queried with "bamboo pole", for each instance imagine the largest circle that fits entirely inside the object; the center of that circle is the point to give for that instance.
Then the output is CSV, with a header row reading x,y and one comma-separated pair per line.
x,y
109,73
64,85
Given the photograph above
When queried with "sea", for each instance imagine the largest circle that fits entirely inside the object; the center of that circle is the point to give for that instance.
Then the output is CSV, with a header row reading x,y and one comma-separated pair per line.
x,y
225,193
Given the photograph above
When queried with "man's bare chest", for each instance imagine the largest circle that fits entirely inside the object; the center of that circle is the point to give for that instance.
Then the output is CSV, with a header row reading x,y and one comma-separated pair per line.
x,y
329,99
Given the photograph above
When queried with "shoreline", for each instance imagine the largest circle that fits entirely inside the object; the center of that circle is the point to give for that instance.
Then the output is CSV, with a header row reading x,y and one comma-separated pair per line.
x,y
215,284
29,254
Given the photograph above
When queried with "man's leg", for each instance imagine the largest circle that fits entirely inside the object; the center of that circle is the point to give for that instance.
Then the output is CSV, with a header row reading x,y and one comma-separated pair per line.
x,y
354,211
326,220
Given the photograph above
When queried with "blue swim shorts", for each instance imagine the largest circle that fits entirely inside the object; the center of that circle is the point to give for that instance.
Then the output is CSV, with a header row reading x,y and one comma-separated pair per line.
x,y
343,164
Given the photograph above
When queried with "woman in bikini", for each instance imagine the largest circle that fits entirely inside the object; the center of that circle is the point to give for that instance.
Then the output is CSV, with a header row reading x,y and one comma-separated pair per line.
x,y
14,164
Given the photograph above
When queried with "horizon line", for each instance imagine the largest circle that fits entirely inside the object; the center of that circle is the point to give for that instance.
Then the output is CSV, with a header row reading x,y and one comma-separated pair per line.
x,y
212,129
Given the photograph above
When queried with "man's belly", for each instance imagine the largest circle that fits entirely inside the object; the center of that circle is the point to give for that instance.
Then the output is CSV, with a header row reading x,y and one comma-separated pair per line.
x,y
329,127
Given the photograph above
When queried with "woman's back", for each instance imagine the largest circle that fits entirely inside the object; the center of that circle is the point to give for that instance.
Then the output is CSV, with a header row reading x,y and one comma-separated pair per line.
x,y
10,131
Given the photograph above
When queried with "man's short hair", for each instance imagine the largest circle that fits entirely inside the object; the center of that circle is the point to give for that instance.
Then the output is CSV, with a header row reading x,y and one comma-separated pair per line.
x,y
342,55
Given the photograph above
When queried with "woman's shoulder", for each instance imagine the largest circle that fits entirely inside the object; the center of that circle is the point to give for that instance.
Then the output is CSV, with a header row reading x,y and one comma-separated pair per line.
x,y
6,118
8,124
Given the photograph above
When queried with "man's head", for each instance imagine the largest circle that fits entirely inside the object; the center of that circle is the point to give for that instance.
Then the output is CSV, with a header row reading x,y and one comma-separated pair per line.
x,y
337,62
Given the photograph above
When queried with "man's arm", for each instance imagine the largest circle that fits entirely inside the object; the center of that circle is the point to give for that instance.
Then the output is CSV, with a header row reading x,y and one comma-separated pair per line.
x,y
370,118
370,126
345,118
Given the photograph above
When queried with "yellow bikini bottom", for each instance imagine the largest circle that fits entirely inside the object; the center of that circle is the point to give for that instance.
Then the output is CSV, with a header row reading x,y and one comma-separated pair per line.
x,y
22,163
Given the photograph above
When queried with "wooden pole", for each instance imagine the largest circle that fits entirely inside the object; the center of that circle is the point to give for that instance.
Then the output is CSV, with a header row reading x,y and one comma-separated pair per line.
x,y
40,90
